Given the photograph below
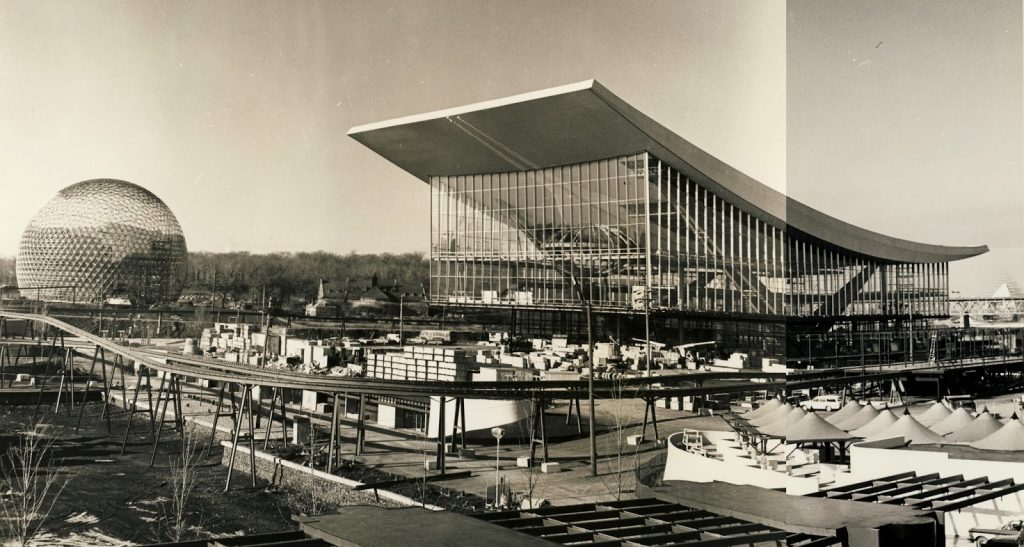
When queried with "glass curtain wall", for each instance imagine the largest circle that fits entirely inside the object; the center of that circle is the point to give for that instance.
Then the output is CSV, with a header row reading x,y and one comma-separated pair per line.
x,y
617,229
543,237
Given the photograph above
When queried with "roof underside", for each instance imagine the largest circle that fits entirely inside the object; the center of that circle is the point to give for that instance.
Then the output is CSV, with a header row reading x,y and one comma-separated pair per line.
x,y
583,122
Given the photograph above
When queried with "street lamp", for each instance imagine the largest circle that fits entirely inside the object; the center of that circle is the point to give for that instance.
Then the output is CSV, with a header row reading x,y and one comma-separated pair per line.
x,y
590,375
910,313
498,434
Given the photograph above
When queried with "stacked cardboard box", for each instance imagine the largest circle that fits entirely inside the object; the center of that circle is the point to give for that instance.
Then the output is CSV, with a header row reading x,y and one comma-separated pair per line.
x,y
225,336
559,374
421,363
487,356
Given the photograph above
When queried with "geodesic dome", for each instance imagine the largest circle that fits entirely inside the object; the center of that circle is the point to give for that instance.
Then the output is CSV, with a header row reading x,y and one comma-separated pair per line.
x,y
99,239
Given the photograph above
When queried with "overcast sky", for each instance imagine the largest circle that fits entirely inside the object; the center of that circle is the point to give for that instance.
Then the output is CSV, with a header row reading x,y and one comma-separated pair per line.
x,y
235,113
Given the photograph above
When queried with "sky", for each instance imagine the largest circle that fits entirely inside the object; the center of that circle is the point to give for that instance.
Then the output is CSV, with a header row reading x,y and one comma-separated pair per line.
x,y
236,113
907,118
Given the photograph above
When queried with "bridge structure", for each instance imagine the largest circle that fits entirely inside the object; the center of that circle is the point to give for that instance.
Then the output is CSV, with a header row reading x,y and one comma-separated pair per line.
x,y
883,376
59,343
982,307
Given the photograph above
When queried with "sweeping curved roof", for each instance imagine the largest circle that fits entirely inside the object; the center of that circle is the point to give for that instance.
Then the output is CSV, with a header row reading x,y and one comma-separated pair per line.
x,y
584,121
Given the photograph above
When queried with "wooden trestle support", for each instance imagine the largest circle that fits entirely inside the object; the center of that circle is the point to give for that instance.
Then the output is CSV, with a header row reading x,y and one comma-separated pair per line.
x,y
442,430
243,412
649,409
579,415
538,425
244,406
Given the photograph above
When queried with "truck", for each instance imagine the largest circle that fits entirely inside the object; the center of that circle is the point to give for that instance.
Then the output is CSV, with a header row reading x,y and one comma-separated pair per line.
x,y
437,337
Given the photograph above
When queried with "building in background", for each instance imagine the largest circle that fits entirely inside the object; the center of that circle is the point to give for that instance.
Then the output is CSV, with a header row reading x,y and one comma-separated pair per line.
x,y
330,301
544,202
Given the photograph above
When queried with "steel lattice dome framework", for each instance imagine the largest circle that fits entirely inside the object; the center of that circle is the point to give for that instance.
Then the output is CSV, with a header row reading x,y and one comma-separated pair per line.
x,y
99,239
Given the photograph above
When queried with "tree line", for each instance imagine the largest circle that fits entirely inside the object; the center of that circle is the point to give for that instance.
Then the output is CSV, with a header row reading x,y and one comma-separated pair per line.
x,y
286,275
7,276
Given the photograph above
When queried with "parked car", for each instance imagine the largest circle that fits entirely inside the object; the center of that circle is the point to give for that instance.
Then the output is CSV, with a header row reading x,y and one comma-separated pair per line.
x,y
823,402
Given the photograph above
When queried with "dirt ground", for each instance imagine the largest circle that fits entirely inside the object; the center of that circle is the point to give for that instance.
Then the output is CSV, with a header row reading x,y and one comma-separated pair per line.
x,y
112,499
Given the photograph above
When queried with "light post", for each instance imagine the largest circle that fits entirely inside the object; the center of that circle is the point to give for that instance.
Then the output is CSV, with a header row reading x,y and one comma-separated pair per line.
x,y
401,319
910,312
647,320
498,434
590,376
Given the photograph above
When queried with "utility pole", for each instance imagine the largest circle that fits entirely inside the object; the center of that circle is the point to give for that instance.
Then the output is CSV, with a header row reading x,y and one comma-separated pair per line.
x,y
590,390
590,375
401,320
910,310
647,326
648,281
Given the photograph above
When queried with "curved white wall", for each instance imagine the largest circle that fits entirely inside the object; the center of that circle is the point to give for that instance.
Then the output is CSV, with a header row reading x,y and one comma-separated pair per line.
x,y
482,415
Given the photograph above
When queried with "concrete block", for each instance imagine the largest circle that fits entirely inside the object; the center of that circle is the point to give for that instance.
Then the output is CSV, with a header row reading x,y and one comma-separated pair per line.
x,y
309,400
523,461
300,432
467,453
634,440
22,377
550,467
387,416
430,465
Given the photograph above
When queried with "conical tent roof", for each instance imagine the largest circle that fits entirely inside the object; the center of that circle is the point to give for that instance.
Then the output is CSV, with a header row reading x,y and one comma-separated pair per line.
x,y
1009,437
934,415
910,429
860,419
1008,418
884,419
775,415
778,428
849,409
956,421
982,426
813,428
762,410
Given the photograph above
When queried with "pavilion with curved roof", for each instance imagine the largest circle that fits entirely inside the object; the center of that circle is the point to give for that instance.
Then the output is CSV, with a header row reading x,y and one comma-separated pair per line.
x,y
569,196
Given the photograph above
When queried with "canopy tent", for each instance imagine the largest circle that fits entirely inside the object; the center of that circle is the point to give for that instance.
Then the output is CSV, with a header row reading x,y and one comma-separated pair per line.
x,y
935,414
778,428
813,428
762,410
982,426
884,419
1010,437
860,419
1010,417
773,416
910,429
849,409
959,419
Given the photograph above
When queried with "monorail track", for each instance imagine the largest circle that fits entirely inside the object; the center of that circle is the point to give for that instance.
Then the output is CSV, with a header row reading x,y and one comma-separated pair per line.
x,y
653,387
74,340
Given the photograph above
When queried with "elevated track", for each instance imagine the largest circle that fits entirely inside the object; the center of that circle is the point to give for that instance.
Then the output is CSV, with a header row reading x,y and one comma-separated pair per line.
x,y
668,385
61,337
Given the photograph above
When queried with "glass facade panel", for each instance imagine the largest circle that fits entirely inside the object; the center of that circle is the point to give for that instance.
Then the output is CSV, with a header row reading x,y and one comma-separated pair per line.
x,y
631,231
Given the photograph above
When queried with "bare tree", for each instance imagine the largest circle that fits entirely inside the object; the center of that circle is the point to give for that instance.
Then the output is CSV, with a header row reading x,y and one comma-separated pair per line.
x,y
311,498
183,482
33,484
527,431
622,462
